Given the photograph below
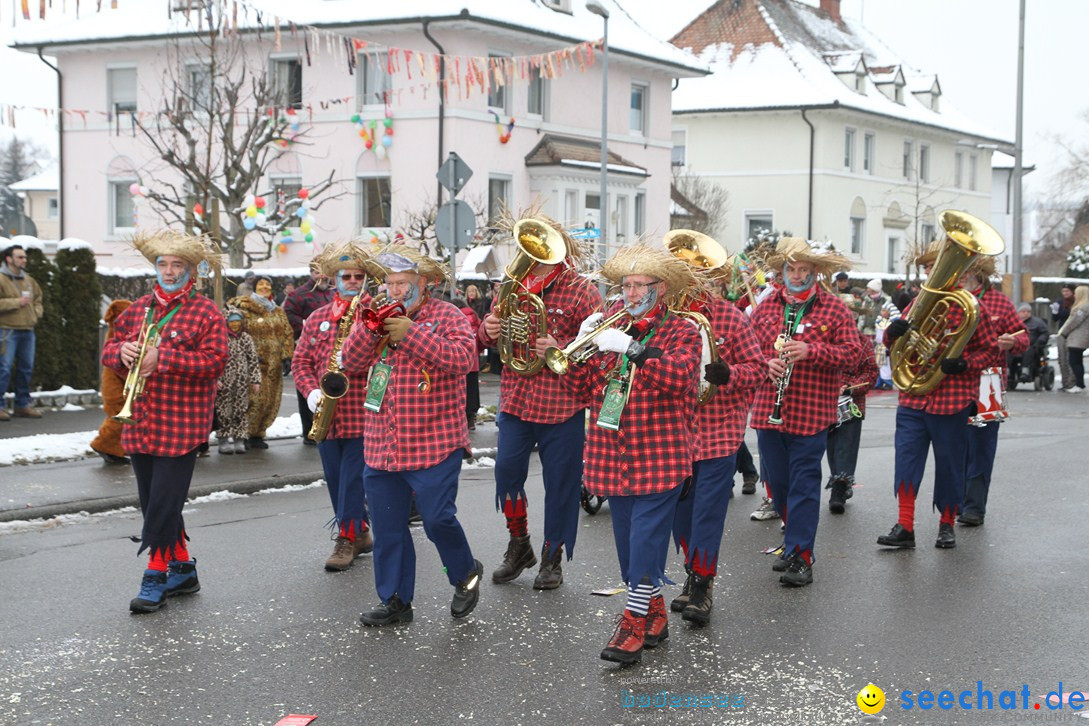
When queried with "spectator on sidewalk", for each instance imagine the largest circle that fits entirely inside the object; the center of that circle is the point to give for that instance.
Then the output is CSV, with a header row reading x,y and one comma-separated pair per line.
x,y
311,295
246,286
241,380
108,442
20,310
1076,333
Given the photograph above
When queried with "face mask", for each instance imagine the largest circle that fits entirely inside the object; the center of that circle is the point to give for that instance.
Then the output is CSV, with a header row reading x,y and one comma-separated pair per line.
x,y
646,303
411,297
808,283
344,292
182,281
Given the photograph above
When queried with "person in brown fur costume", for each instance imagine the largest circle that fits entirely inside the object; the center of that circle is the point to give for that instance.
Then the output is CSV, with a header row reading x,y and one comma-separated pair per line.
x,y
108,442
267,324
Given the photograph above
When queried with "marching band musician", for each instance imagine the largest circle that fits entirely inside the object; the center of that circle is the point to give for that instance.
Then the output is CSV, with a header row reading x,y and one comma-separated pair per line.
x,y
719,432
808,337
537,409
938,418
642,391
348,267
416,434
1012,338
174,413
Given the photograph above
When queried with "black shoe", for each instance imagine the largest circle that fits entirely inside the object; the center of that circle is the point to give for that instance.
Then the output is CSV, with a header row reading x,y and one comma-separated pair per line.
x,y
414,514
838,498
748,485
256,442
947,539
897,537
388,613
799,574
970,520
699,602
782,562
519,556
550,575
307,441
467,593
680,602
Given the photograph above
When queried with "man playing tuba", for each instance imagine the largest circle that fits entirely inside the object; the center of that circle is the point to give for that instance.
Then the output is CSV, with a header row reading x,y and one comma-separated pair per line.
x,y
535,407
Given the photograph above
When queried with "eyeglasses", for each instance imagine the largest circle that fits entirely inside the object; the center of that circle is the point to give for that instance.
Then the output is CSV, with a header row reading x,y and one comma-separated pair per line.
x,y
637,286
352,276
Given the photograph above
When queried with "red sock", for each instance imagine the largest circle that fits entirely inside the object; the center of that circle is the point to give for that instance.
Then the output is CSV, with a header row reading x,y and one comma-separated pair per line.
x,y
348,532
906,498
515,512
807,555
948,517
157,561
181,550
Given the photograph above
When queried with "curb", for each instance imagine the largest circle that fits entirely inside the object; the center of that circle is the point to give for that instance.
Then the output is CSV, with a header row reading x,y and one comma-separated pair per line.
x,y
245,486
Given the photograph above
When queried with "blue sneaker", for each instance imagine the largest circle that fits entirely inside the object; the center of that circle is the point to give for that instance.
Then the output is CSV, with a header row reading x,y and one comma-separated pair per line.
x,y
152,593
181,578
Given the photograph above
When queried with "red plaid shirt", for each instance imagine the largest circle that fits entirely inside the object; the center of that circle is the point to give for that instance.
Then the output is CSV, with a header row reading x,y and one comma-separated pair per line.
x,y
960,389
415,429
301,303
810,401
1004,319
720,424
864,373
542,398
654,448
174,414
311,361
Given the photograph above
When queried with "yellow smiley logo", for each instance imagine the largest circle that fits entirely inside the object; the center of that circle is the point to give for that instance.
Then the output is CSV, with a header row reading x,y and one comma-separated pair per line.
x,y
870,699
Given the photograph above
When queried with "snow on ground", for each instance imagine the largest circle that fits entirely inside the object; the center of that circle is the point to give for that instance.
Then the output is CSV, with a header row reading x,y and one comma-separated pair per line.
x,y
71,407
45,447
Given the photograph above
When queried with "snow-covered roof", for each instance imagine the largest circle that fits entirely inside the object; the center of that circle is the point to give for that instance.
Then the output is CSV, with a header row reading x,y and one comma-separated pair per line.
x,y
784,54
136,20
475,257
47,180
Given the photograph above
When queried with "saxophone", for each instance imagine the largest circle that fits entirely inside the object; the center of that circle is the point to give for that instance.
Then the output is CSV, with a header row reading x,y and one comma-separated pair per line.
x,y
333,384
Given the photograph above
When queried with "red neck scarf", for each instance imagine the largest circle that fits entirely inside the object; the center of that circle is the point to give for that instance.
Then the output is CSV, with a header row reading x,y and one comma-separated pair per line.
x,y
341,304
535,285
801,296
642,326
166,299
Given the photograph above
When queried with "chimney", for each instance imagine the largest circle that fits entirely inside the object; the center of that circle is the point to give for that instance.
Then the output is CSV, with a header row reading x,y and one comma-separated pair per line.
x,y
832,8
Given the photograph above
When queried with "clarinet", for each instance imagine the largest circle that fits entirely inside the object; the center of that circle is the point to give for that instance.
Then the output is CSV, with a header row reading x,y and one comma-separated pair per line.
x,y
789,322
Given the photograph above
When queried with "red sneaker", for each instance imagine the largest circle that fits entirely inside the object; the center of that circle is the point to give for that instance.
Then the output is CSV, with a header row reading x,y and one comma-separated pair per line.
x,y
626,645
657,622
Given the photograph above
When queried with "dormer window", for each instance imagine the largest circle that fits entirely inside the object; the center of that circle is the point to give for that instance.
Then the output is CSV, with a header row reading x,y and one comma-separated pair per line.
x,y
860,83
927,94
849,68
899,95
560,6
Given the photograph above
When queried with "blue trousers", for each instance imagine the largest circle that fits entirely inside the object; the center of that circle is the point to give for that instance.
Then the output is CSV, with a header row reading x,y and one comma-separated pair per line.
x,y
745,463
162,482
390,494
982,447
916,431
560,448
843,443
342,462
792,465
641,529
16,362
701,515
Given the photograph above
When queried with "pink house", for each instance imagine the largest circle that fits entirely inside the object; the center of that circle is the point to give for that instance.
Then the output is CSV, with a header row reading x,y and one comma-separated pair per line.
x,y
113,64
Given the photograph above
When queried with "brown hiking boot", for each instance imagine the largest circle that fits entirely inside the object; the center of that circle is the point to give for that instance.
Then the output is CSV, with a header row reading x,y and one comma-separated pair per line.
x,y
363,544
4,416
657,622
626,645
519,556
550,575
27,412
343,554
679,603
699,603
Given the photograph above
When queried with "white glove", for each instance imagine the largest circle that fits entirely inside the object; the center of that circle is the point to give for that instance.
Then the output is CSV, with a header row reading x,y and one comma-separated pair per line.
x,y
612,340
590,323
312,400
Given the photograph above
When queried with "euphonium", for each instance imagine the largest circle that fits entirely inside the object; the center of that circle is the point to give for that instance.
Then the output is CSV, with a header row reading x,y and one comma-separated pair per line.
x,y
333,384
521,312
917,356
134,382
581,349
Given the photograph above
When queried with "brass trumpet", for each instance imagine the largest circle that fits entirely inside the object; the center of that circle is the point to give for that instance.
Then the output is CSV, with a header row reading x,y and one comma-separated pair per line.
x,y
374,319
581,349
134,382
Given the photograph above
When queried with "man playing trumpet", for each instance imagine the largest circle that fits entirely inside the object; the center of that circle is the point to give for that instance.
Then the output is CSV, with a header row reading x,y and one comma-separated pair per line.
x,y
535,408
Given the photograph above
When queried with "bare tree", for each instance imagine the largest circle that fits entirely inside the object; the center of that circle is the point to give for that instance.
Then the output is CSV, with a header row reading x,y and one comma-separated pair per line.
x,y
224,121
418,226
706,203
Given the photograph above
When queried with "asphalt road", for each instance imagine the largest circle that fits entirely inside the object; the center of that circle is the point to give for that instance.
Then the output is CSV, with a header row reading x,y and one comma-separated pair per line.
x,y
271,633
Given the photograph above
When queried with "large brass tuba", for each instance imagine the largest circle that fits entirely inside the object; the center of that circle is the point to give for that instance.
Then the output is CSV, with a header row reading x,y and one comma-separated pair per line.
x,y
703,253
334,383
917,356
522,314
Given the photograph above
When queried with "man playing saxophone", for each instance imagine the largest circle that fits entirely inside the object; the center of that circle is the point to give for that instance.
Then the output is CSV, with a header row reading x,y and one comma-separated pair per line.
x,y
536,408
348,266
807,336
172,416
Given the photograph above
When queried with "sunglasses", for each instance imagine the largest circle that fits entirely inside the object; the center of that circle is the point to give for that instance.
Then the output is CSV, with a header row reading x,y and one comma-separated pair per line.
x,y
352,276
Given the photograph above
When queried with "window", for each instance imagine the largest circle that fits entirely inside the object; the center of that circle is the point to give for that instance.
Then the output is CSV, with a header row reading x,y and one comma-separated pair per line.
x,y
924,163
680,139
858,226
908,160
849,150
199,78
52,208
640,213
121,87
860,83
375,201
638,115
498,197
926,233
286,186
122,212
372,80
563,6
973,164
899,95
757,224
498,96
867,153
571,205
537,99
895,251
958,169
620,220
287,82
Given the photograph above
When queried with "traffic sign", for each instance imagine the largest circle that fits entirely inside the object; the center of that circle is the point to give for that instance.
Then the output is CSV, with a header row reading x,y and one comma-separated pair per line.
x,y
454,174
455,224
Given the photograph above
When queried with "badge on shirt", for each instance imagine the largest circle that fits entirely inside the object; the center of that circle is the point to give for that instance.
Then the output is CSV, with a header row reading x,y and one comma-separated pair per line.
x,y
324,326
376,389
613,406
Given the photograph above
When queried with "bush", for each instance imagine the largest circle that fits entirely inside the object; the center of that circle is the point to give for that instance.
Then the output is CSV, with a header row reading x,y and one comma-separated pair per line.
x,y
76,282
50,353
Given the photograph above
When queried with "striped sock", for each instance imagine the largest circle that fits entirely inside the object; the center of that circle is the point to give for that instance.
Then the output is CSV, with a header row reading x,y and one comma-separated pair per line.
x,y
639,598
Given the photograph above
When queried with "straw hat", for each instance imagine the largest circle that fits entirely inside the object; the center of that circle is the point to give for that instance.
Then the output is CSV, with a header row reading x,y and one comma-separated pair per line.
x,y
797,249
929,254
346,256
194,249
400,257
642,259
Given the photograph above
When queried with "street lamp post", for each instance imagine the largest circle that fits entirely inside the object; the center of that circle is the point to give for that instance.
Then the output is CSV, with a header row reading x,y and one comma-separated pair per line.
x,y
595,7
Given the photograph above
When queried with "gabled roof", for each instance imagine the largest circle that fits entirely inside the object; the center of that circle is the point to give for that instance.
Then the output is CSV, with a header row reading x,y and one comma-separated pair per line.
x,y
554,150
141,20
785,54
46,180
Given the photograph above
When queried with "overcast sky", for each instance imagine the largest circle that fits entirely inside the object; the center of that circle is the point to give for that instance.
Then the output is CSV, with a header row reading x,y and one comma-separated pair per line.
x,y
970,44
